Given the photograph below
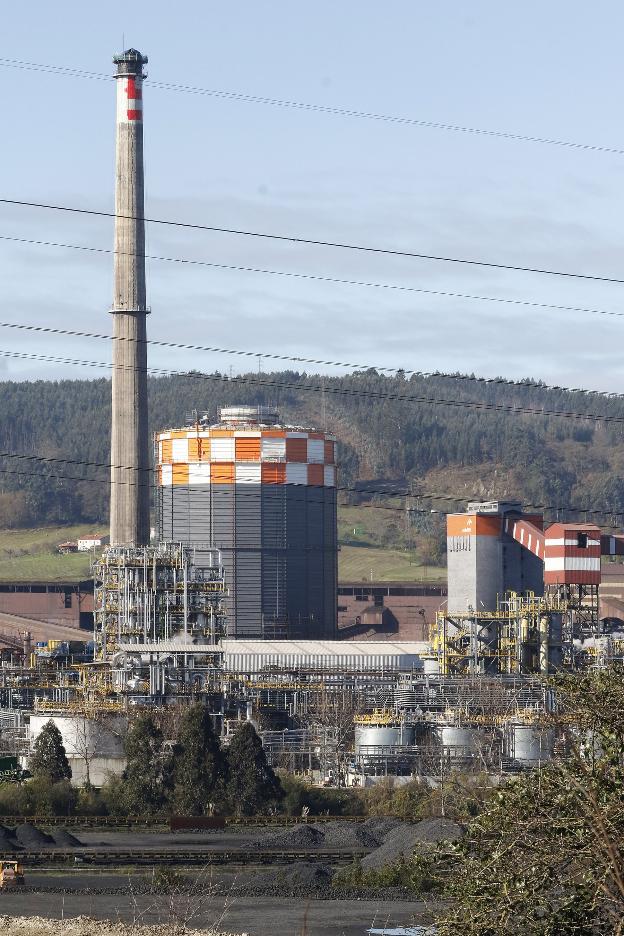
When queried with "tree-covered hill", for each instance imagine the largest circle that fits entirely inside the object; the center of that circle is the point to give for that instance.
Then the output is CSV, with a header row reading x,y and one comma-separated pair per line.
x,y
389,434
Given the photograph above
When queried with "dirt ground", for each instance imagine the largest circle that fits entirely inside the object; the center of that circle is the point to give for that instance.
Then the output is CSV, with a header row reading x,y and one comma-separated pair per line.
x,y
278,900
257,916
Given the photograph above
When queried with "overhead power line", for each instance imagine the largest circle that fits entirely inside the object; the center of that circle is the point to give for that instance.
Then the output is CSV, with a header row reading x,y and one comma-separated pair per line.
x,y
471,378
312,107
374,491
333,390
525,303
295,239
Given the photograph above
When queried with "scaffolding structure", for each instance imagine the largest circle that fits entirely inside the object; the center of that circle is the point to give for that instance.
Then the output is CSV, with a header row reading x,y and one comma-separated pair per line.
x,y
150,594
526,634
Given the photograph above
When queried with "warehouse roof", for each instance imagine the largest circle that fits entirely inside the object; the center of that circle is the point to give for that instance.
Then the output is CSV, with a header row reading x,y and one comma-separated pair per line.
x,y
326,647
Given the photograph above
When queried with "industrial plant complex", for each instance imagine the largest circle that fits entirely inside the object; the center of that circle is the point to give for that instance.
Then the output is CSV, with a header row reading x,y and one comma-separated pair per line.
x,y
234,600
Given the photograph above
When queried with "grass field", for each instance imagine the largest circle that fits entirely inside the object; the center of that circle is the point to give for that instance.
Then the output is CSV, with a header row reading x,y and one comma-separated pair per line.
x,y
356,563
371,547
31,556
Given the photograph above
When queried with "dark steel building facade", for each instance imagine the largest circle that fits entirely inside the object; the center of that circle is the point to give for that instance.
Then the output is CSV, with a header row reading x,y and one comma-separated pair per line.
x,y
265,496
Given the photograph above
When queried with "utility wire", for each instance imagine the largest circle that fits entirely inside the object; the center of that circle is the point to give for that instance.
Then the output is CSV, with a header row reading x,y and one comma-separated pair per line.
x,y
311,107
526,303
359,490
337,391
505,381
293,239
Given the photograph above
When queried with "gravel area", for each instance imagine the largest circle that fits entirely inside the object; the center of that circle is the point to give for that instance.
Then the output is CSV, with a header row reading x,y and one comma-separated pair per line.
x,y
84,926
256,916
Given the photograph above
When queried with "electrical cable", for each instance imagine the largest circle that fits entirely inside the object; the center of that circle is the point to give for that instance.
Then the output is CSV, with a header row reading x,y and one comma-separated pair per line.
x,y
309,276
311,107
337,391
293,239
505,381
359,490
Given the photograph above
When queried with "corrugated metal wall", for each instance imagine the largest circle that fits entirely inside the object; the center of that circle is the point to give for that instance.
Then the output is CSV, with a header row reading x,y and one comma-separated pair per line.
x,y
279,550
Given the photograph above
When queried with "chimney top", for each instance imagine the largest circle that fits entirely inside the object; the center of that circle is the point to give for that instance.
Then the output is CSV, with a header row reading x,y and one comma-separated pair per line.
x,y
130,62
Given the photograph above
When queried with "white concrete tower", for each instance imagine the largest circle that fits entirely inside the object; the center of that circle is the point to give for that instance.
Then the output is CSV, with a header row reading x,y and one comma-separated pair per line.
x,y
130,486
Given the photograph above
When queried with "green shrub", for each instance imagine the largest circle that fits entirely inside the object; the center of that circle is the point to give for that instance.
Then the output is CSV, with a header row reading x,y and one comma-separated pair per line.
x,y
300,794
91,802
38,798
417,874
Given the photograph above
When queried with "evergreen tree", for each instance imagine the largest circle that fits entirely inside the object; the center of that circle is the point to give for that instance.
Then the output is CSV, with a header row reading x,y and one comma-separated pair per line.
x,y
253,786
144,788
48,762
200,768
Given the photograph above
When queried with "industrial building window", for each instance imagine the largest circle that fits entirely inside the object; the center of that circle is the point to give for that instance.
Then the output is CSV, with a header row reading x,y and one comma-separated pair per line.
x,y
581,540
458,544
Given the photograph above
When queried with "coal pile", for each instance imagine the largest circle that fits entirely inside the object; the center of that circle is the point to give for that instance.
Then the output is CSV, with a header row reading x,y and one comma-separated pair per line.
x,y
349,835
405,839
64,839
434,830
300,836
296,880
7,840
380,826
29,836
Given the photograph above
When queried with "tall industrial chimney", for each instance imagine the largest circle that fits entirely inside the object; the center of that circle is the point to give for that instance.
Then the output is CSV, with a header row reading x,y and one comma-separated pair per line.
x,y
129,502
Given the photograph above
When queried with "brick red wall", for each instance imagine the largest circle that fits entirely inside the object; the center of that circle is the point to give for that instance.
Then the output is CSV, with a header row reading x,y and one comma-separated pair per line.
x,y
403,619
45,601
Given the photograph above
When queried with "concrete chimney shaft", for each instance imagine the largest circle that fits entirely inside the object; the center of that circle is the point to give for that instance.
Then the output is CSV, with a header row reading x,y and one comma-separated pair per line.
x,y
130,485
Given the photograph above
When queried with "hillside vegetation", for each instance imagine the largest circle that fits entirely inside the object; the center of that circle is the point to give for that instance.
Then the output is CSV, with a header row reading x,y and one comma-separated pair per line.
x,y
389,437
31,555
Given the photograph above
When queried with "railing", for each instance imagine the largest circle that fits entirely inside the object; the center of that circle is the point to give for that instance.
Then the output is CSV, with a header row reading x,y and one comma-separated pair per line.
x,y
157,823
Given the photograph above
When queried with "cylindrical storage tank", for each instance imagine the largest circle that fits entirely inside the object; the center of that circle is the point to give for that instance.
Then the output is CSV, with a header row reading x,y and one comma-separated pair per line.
x,y
265,496
85,737
371,737
431,666
531,745
459,742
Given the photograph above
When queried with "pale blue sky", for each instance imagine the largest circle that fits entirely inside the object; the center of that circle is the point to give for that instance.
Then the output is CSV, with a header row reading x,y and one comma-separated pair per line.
x,y
544,69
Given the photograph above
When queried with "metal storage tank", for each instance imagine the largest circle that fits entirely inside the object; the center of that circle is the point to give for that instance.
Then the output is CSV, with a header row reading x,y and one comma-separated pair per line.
x,y
265,495
85,736
369,737
459,742
531,745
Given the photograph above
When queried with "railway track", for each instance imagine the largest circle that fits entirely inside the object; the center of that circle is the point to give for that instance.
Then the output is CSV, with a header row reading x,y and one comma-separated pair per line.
x,y
150,823
112,857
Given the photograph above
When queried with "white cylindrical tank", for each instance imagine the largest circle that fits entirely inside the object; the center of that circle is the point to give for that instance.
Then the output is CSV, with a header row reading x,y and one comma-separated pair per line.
x,y
382,736
85,736
459,742
431,666
531,745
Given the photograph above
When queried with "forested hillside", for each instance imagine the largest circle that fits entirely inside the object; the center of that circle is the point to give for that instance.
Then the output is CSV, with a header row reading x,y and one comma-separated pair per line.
x,y
389,435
